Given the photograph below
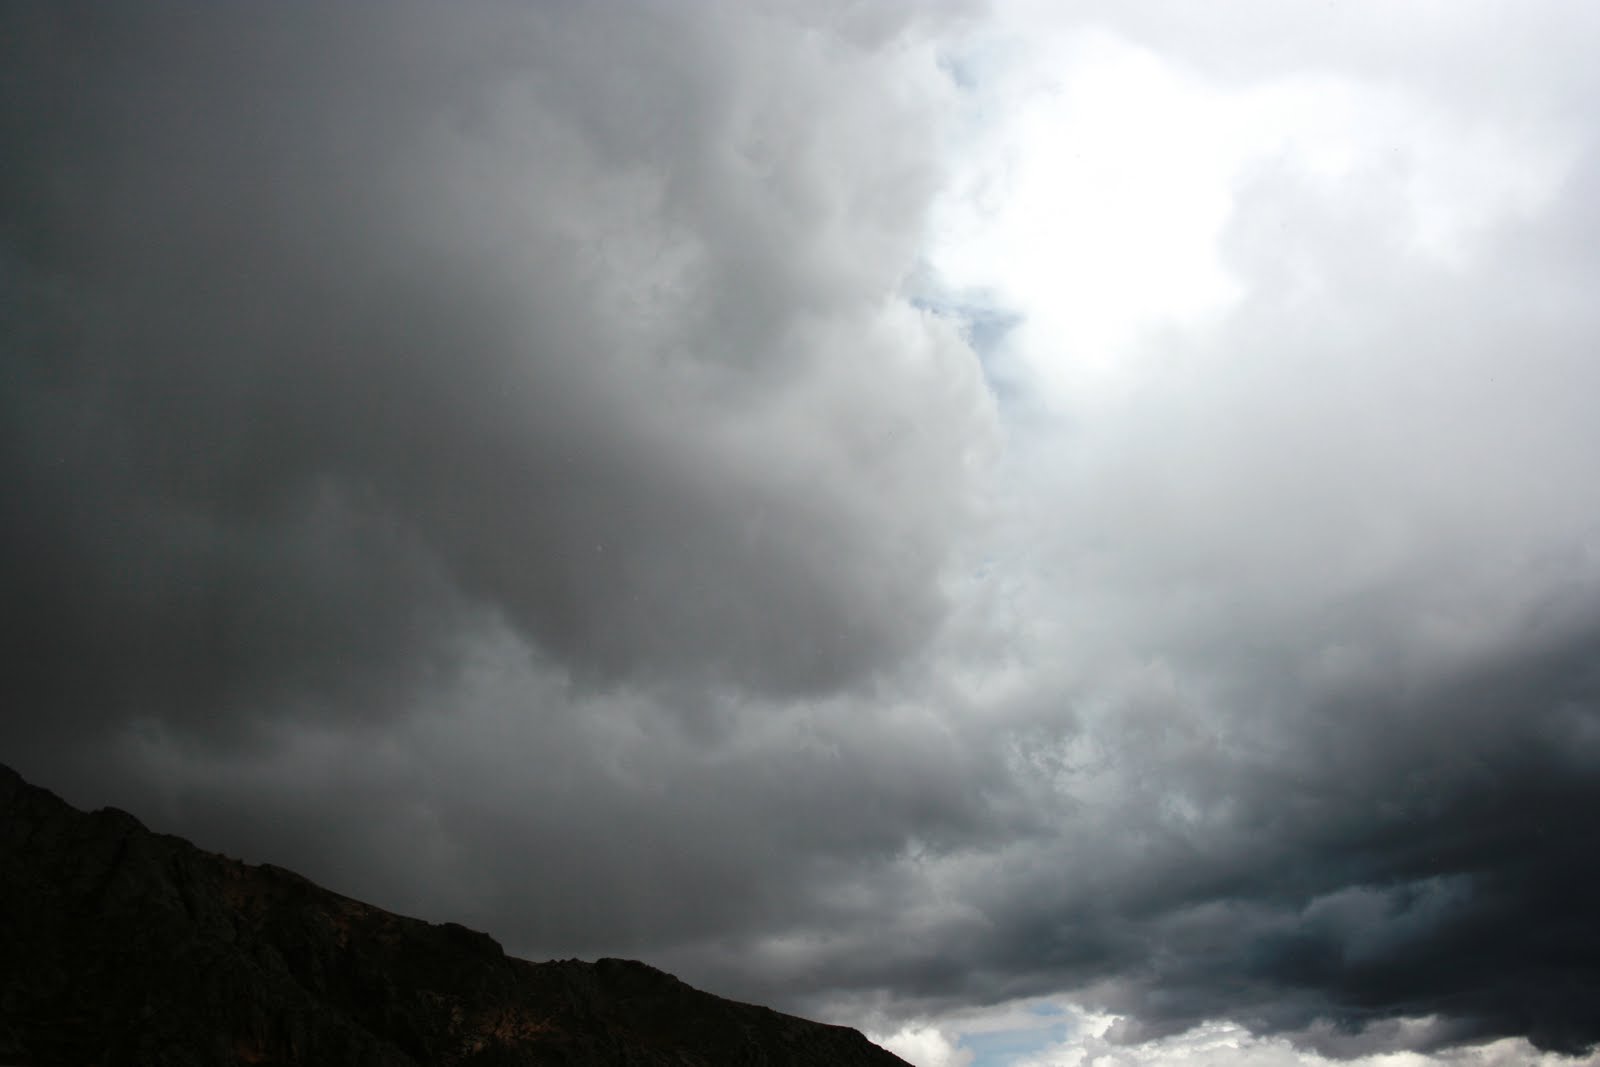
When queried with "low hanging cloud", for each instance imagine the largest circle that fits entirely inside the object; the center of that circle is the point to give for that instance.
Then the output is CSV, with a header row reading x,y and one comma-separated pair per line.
x,y
636,480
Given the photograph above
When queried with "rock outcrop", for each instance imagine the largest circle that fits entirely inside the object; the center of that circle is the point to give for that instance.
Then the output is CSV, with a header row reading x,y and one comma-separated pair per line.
x,y
119,946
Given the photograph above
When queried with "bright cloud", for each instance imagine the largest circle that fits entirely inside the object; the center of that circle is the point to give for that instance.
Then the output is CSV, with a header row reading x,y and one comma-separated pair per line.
x,y
1096,180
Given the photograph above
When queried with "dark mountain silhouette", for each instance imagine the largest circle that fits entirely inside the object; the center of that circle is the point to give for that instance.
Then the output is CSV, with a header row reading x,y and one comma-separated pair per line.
x,y
120,946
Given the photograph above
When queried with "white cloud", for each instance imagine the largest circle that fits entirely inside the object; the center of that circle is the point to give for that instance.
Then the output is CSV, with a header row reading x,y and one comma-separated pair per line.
x,y
924,1046
1025,1029
1097,177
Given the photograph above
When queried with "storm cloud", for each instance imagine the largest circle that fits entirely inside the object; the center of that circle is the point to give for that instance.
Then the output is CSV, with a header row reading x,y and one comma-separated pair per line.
x,y
336,332
886,510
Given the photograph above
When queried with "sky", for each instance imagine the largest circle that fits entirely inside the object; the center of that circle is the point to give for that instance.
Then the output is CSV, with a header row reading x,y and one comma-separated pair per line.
x,y
1059,535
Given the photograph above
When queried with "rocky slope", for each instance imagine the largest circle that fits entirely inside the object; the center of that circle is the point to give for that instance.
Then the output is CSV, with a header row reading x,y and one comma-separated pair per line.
x,y
120,946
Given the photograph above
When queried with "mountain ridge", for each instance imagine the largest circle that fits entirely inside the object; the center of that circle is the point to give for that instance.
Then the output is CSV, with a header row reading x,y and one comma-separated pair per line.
x,y
123,946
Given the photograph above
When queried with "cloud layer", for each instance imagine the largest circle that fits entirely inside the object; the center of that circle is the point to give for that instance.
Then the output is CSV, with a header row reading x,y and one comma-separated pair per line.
x,y
745,486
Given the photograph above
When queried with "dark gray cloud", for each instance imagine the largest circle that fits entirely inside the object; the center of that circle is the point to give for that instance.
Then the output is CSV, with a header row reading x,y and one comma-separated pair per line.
x,y
1424,854
506,463
331,333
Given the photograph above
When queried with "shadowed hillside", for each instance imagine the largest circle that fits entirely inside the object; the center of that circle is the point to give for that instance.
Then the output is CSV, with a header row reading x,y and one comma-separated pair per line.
x,y
121,946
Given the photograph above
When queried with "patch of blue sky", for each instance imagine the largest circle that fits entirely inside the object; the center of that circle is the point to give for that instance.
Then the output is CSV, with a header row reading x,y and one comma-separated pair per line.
x,y
1001,1048
985,325
961,68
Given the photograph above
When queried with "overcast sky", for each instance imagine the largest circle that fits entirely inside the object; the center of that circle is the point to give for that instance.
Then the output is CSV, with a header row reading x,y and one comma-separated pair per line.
x,y
1042,531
